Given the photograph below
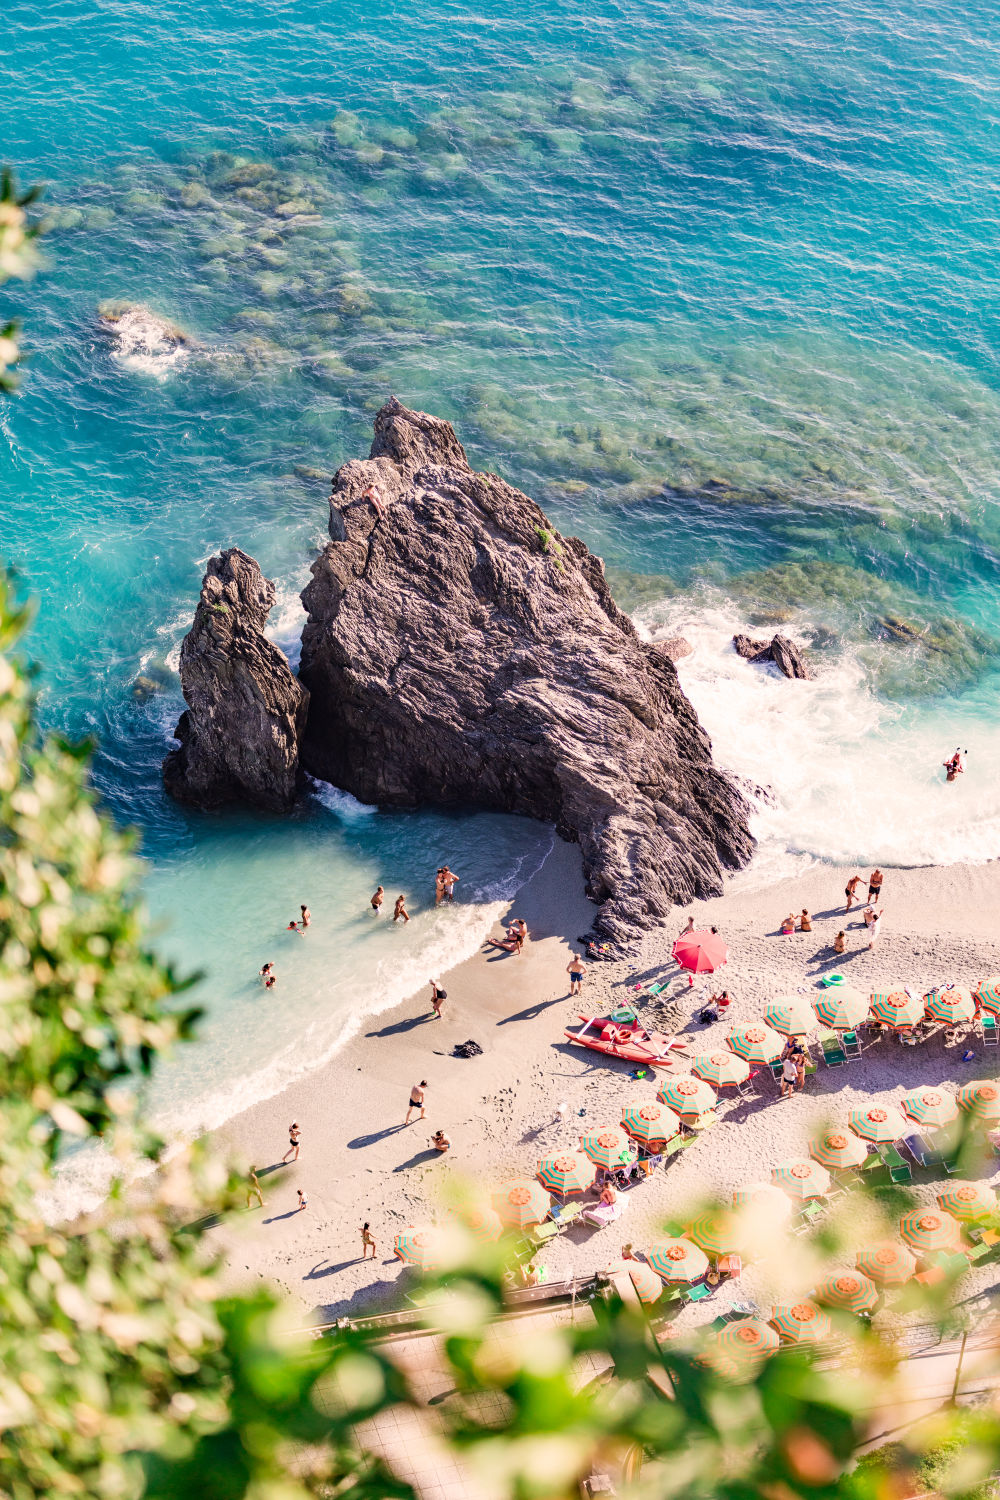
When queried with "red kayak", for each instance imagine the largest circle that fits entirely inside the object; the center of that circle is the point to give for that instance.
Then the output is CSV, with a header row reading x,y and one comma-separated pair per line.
x,y
620,1035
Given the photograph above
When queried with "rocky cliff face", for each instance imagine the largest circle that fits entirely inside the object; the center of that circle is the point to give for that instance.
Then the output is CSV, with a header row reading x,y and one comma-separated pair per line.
x,y
459,650
239,739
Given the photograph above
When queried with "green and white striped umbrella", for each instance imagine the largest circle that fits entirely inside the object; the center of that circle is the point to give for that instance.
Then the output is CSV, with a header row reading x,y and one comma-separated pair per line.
x,y
718,1231
842,1007
723,1069
791,1014
981,1099
646,1120
687,1095
522,1201
953,1005
569,1172
423,1248
968,1201
897,1008
763,1196
931,1107
888,1264
988,994
802,1323
850,1290
928,1229
757,1043
838,1149
878,1122
678,1260
748,1339
608,1147
801,1178
482,1223
646,1281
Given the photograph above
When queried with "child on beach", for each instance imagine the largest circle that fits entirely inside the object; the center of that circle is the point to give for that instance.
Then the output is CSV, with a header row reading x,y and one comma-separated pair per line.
x,y
377,900
400,914
303,1201
367,1241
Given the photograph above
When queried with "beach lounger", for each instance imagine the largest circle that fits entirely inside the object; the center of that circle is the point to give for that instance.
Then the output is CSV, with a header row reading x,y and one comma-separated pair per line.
x,y
736,1314
833,1053
980,1252
899,1170
987,1028
602,1214
696,1292
922,1152
564,1214
851,1043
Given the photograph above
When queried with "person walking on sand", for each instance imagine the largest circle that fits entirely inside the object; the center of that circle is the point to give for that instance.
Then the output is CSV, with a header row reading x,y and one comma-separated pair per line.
x,y
377,899
789,1074
303,1201
367,1241
851,891
874,930
450,882
294,1136
575,971
437,995
417,1101
874,885
439,887
400,914
306,917
253,1188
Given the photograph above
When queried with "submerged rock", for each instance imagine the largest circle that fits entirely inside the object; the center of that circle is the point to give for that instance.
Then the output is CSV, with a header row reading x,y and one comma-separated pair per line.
x,y
785,655
240,736
460,651
142,337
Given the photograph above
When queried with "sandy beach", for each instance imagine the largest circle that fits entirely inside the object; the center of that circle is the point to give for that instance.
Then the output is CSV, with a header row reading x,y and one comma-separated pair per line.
x,y
359,1162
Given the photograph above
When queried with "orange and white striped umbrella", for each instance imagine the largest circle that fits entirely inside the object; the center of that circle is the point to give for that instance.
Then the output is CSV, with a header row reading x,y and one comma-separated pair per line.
x,y
678,1260
646,1120
838,1149
522,1201
748,1339
897,1008
421,1247
723,1069
968,1201
648,1285
687,1095
757,1043
791,1014
608,1147
988,994
981,1099
482,1223
931,1106
569,1172
953,1005
718,1231
928,1229
801,1178
888,1264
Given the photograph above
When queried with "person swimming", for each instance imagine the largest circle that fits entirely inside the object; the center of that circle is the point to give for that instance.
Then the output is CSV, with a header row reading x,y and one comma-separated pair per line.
x,y
953,767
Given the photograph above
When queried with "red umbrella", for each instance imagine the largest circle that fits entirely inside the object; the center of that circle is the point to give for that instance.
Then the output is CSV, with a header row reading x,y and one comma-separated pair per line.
x,y
701,952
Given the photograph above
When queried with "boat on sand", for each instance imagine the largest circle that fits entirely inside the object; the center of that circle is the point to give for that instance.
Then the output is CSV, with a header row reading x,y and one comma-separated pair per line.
x,y
621,1035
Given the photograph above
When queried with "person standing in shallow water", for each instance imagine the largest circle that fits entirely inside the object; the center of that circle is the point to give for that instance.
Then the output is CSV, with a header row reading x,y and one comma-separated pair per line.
x,y
450,881
439,887
400,913
377,899
306,917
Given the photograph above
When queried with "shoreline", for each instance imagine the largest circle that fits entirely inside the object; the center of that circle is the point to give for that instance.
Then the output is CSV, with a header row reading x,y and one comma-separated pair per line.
x,y
359,1162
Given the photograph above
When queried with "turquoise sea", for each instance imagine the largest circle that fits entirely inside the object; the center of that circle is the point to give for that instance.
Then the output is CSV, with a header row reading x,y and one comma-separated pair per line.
x,y
716,282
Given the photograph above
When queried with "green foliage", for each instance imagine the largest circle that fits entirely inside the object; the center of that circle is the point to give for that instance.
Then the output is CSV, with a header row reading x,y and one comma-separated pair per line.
x,y
18,257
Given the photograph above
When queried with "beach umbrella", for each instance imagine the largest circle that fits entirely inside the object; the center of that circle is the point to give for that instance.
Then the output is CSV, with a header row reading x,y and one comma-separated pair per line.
x,y
700,952
522,1201
721,1068
801,1322
748,1339
801,1179
608,1147
926,1230
687,1095
648,1120
879,1122
422,1248
968,1201
725,1365
981,1099
850,1290
569,1172
482,1223
763,1195
678,1260
931,1107
897,1008
842,1007
647,1283
839,1149
791,1014
988,994
757,1043
953,1004
888,1264
718,1231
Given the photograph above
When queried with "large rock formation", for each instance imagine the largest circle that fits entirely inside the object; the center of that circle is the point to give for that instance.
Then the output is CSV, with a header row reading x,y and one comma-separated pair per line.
x,y
246,711
459,650
785,655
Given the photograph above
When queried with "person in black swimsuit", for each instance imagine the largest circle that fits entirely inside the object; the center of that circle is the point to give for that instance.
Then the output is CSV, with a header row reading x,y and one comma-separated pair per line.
x,y
417,1100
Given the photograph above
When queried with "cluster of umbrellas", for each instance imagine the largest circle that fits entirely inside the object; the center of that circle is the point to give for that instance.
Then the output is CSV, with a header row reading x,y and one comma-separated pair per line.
x,y
842,1008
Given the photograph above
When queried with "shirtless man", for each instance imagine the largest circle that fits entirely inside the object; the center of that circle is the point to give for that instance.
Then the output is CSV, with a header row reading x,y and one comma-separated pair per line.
x,y
377,900
450,881
416,1100
874,885
850,891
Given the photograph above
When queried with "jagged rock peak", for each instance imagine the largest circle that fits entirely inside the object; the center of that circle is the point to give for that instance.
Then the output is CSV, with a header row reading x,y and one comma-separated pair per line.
x,y
460,651
240,736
